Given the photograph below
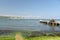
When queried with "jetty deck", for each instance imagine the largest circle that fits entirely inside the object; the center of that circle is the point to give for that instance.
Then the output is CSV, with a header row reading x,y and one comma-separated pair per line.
x,y
56,23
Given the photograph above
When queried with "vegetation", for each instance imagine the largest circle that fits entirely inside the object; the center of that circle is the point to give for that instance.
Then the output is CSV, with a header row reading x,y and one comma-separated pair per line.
x,y
12,36
7,38
33,38
44,38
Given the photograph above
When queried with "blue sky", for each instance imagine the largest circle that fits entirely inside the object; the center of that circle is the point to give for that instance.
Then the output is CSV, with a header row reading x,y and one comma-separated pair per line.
x,y
40,8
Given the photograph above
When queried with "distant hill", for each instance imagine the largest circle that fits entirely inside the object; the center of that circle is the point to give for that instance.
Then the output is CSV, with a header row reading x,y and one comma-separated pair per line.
x,y
11,17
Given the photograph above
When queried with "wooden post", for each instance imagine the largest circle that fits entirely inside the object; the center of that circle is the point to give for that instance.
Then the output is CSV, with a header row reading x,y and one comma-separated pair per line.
x,y
52,24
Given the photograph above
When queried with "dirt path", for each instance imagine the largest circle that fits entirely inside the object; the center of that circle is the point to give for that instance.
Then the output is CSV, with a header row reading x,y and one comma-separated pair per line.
x,y
18,37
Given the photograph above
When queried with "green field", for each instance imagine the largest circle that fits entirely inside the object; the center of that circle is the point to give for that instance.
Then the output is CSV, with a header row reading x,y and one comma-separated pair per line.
x,y
12,35
7,38
44,38
33,38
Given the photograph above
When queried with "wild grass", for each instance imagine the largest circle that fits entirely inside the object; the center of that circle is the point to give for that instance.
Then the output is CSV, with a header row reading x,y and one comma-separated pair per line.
x,y
44,38
12,37
33,38
7,38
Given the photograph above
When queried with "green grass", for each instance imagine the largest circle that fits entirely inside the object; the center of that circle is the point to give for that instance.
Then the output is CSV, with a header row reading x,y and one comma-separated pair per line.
x,y
44,38
12,37
32,38
7,38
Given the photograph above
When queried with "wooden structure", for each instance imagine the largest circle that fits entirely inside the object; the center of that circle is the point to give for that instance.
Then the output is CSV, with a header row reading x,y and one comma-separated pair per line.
x,y
51,22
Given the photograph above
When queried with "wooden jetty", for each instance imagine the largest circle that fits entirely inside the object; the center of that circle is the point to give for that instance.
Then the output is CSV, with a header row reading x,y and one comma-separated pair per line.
x,y
51,22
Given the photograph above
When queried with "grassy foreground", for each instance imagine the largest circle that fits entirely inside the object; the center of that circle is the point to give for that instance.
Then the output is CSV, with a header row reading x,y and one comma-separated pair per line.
x,y
44,38
7,38
13,35
33,38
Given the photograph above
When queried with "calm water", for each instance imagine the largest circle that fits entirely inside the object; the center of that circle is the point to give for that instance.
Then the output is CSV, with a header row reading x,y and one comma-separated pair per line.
x,y
24,24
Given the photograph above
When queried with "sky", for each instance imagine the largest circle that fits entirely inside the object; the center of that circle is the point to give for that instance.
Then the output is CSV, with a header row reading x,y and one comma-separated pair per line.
x,y
31,8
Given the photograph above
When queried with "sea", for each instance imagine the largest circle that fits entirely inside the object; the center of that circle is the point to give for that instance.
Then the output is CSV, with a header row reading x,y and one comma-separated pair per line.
x,y
25,24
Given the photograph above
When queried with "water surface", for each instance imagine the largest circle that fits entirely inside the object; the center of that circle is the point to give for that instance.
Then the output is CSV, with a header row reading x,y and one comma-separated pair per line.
x,y
25,24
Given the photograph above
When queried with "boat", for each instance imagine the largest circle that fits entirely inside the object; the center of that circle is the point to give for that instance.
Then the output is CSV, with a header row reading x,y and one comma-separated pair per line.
x,y
51,22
